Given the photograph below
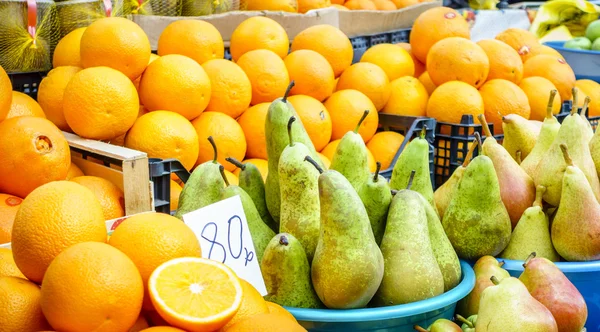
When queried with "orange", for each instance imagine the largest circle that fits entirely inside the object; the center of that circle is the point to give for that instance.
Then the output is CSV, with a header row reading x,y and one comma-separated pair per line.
x,y
252,304
306,5
520,40
311,73
9,205
434,25
117,43
52,218
408,97
339,7
267,73
272,5
74,172
451,100
174,195
419,66
266,323
275,308
32,152
139,325
405,3
315,118
581,96
178,138
175,83
195,294
232,179
228,136
256,33
393,59
346,107
360,5
162,329
384,5
92,286
51,92
592,89
369,79
528,52
261,164
5,94
505,63
457,59
328,41
66,52
8,267
23,105
554,69
151,239
538,90
111,198
502,97
100,103
198,40
427,83
137,81
252,122
329,150
384,146
20,306
337,2
231,89
155,320
325,160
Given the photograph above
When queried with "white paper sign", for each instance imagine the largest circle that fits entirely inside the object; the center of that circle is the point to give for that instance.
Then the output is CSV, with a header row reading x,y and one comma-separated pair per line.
x,y
224,236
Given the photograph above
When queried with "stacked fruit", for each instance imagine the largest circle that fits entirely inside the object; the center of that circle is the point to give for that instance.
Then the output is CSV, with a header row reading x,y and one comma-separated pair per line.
x,y
303,6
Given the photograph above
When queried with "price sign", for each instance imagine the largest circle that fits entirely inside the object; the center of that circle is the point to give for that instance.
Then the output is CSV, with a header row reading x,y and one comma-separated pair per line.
x,y
224,236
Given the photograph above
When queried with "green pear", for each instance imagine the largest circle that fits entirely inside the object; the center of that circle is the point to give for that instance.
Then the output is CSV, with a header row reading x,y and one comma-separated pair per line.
x,y
203,187
252,182
348,266
532,234
587,126
519,135
277,139
377,197
414,157
476,220
286,272
508,306
411,271
468,324
577,220
595,150
548,132
440,325
260,232
299,188
351,157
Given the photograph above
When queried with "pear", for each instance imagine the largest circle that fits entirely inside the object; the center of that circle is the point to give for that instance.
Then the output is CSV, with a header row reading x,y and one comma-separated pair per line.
x,y
548,284
476,220
351,157
376,196
411,271
549,172
508,306
532,234
260,232
468,324
587,128
253,184
299,188
440,325
548,132
286,272
595,147
519,135
445,192
276,136
516,187
347,268
203,187
576,226
485,268
414,157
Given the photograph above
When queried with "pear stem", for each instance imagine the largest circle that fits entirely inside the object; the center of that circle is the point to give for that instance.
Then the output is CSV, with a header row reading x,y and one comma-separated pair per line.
x,y
550,108
283,240
420,329
289,129
376,174
529,258
236,163
222,170
539,193
362,118
495,280
410,179
423,131
565,152
574,109
486,127
479,141
394,192
314,163
214,146
586,103
518,157
469,155
501,263
464,321
287,91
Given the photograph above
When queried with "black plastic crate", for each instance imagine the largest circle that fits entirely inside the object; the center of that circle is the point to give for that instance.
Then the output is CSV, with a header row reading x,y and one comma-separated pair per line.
x,y
27,83
160,175
410,127
361,44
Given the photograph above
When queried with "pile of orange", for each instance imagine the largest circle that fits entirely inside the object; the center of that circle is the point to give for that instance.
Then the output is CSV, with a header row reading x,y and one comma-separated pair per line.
x,y
303,6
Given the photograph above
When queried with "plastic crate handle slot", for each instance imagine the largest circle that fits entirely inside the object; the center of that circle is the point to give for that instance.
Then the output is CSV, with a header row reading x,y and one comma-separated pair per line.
x,y
32,19
108,7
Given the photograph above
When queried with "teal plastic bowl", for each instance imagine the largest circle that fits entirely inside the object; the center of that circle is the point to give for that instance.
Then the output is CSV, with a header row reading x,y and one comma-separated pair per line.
x,y
585,64
584,275
399,318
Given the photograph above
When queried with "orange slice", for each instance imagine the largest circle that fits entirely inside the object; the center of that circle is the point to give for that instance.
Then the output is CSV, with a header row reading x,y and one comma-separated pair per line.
x,y
195,294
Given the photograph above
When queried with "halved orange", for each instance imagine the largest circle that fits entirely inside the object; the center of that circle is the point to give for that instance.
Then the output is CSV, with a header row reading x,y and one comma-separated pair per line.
x,y
195,294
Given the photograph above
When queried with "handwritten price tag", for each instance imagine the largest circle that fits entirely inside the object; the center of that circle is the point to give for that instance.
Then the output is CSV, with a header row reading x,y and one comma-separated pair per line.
x,y
224,236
